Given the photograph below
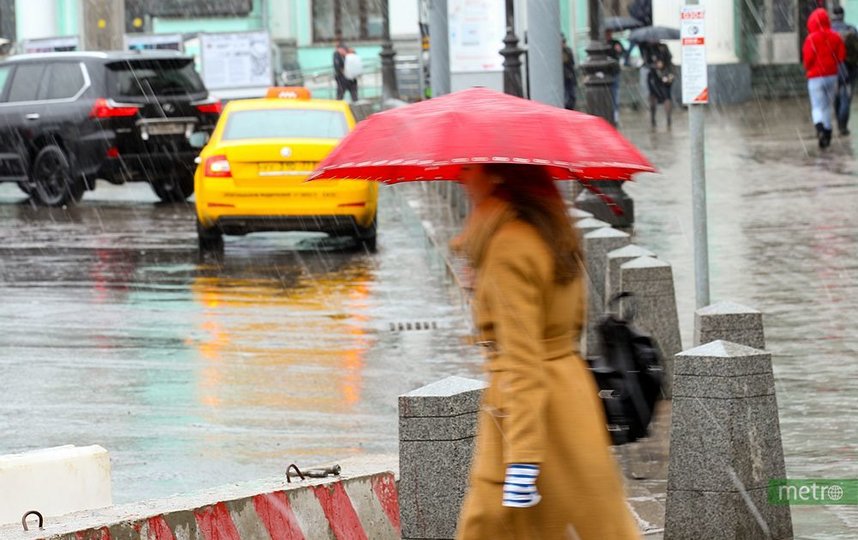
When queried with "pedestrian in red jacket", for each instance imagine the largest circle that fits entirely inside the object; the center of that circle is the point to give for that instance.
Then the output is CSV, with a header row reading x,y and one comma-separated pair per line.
x,y
823,53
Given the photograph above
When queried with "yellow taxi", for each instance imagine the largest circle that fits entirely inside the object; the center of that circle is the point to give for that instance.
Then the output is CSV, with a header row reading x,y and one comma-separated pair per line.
x,y
251,174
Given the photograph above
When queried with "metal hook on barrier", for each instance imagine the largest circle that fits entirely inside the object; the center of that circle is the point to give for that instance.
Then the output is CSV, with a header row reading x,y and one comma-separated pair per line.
x,y
297,470
37,514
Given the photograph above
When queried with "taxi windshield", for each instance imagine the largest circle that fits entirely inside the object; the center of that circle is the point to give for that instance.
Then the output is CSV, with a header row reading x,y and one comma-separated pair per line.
x,y
285,124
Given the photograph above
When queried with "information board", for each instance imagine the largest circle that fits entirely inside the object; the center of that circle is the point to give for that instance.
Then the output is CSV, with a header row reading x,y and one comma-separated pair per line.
x,y
56,44
695,79
144,42
477,29
236,60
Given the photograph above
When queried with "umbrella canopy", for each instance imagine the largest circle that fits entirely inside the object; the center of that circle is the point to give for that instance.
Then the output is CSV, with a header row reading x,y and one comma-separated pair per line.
x,y
617,24
431,140
653,33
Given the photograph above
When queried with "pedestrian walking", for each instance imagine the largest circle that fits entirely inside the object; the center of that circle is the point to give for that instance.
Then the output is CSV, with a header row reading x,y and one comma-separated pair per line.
x,y
343,83
848,71
660,82
542,466
823,52
617,52
570,79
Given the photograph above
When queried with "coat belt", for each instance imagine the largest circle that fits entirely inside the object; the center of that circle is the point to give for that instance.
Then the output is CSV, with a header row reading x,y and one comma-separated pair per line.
x,y
555,348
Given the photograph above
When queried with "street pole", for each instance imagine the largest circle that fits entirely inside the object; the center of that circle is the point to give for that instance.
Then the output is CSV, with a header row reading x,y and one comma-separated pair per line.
x,y
511,55
389,88
600,70
439,48
545,63
696,121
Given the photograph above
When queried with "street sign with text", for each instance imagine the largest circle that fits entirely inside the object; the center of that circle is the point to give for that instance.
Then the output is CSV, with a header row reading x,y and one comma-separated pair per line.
x,y
695,83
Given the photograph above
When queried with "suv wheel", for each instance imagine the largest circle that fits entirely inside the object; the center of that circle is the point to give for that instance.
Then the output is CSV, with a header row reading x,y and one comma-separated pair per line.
x,y
209,238
175,186
54,183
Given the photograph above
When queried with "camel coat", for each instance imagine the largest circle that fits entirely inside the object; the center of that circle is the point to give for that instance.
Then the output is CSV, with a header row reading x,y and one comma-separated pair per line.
x,y
542,404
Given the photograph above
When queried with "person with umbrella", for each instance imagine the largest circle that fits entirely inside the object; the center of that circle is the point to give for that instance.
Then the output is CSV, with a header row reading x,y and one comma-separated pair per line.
x,y
542,466
660,81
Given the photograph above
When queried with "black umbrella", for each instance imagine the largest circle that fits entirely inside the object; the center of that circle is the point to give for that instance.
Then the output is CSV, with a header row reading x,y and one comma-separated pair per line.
x,y
617,24
649,34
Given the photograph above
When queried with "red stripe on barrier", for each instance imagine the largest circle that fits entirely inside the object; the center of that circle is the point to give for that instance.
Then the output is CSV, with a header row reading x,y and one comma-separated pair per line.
x,y
384,488
159,529
339,511
94,534
276,513
216,524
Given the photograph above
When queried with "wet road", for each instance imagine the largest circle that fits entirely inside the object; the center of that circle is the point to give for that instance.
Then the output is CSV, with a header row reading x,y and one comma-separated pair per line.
x,y
783,230
198,372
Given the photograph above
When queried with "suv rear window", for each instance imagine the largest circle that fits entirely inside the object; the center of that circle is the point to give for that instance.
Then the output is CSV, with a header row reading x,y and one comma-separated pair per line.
x,y
285,124
132,79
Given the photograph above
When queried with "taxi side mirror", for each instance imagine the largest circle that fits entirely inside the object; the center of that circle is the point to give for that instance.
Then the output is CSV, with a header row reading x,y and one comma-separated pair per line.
x,y
198,139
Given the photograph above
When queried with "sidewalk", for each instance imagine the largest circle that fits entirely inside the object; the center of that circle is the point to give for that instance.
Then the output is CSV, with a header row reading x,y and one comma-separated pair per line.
x,y
644,464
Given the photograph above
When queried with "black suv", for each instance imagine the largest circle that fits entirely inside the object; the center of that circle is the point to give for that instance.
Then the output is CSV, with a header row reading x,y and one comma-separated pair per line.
x,y
67,119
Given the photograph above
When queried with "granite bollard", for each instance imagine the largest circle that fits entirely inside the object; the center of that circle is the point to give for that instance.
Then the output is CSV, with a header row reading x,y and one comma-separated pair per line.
x,y
617,258
578,214
651,282
597,244
437,426
730,322
725,447
589,224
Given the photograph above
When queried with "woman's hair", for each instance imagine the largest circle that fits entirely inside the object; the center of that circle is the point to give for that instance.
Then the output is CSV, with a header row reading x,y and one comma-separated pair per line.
x,y
533,194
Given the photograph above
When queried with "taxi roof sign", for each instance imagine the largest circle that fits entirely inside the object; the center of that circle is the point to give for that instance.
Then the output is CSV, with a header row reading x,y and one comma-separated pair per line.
x,y
289,92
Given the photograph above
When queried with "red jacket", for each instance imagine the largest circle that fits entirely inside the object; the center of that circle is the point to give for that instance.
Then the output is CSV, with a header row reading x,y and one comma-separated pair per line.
x,y
823,50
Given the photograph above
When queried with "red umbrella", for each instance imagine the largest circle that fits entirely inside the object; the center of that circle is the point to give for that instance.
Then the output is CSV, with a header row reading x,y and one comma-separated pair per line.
x,y
432,139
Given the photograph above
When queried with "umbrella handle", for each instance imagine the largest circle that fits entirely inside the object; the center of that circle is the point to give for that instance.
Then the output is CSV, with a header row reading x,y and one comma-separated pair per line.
x,y
609,202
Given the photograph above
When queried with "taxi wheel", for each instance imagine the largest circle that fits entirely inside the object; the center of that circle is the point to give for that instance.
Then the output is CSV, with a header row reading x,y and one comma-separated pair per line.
x,y
209,238
366,236
175,186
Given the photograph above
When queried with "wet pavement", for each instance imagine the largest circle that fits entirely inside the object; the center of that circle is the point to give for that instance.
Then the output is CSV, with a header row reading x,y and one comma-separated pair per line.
x,y
783,234
195,372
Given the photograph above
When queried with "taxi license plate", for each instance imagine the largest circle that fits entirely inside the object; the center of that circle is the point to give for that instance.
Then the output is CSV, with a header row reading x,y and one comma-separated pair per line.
x,y
165,129
287,168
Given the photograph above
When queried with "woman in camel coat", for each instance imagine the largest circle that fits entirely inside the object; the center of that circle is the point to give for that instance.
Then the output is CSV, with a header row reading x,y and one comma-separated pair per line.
x,y
542,467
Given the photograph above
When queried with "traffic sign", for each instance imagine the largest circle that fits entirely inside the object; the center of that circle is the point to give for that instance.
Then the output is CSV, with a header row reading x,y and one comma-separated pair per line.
x,y
695,83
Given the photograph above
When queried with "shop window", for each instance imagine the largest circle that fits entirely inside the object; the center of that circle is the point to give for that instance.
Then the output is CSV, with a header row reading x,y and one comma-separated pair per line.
x,y
357,20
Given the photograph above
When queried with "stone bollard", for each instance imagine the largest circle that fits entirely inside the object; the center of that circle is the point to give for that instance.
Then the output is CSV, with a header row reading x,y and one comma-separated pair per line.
x,y
617,258
597,244
437,426
578,214
731,322
725,446
651,281
589,224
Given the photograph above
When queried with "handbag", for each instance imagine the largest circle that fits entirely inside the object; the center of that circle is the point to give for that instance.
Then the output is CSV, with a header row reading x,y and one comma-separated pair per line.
x,y
629,374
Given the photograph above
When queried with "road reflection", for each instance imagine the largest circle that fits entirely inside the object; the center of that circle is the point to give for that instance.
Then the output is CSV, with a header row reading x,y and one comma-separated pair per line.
x,y
251,332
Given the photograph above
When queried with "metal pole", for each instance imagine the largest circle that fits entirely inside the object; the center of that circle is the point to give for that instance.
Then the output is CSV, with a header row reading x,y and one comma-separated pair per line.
x,y
511,55
439,48
544,57
389,88
770,31
696,123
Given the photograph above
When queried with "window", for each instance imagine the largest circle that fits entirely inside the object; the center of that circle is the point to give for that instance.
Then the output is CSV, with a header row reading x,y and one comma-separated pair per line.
x,y
141,78
285,124
5,71
65,81
195,8
356,19
25,82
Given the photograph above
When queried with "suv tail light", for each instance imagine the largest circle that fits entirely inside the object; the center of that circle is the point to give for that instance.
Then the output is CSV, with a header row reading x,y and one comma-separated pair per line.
x,y
218,167
213,106
107,108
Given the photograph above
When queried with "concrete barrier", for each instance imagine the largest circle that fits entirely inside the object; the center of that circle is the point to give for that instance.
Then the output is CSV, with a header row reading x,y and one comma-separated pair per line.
x,y
437,426
597,244
357,507
725,446
651,281
55,481
730,322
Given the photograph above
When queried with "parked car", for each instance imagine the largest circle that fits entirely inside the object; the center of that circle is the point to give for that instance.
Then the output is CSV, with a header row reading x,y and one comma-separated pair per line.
x,y
251,174
67,119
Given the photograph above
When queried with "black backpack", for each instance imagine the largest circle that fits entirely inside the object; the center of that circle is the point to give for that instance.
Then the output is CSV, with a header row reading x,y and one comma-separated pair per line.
x,y
850,40
629,375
